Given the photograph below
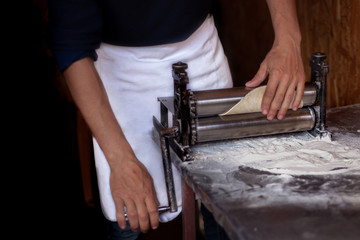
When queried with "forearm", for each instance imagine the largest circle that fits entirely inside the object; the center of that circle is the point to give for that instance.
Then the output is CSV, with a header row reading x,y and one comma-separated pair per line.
x,y
284,20
131,184
91,99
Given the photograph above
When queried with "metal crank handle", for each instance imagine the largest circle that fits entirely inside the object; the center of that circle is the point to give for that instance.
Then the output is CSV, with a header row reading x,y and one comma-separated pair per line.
x,y
165,134
161,209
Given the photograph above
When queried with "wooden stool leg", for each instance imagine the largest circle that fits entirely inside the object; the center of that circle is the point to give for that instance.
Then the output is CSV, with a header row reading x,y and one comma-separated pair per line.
x,y
188,212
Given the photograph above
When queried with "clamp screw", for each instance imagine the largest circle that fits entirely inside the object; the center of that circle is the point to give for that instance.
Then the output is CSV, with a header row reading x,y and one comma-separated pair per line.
x,y
318,57
179,66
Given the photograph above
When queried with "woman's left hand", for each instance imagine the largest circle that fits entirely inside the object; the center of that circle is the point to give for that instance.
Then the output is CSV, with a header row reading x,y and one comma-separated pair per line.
x,y
284,66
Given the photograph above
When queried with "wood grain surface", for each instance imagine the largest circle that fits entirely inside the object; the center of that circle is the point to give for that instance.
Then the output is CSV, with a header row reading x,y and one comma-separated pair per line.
x,y
329,26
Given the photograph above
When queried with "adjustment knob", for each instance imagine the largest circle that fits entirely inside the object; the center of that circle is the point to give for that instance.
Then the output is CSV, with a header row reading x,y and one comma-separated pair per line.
x,y
179,66
318,57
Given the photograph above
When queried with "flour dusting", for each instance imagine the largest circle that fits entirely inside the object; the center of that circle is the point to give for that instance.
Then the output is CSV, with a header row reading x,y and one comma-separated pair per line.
x,y
296,156
292,155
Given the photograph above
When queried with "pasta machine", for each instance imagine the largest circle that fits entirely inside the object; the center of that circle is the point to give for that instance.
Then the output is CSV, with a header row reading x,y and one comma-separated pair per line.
x,y
194,117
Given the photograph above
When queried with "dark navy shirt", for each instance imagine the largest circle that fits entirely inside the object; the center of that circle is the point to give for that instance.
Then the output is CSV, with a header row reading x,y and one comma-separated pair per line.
x,y
77,27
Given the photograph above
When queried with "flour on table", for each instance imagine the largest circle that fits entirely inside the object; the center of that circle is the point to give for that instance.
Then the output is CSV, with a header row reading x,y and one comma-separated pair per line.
x,y
291,155
294,156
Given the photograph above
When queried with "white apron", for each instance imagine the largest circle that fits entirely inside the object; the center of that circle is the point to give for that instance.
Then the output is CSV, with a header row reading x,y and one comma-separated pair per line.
x,y
134,77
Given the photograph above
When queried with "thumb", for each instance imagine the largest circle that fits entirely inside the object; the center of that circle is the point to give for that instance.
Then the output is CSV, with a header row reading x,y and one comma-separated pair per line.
x,y
259,76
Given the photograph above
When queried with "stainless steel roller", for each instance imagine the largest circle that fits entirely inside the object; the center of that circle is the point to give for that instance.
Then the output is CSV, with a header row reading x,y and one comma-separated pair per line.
x,y
251,124
214,102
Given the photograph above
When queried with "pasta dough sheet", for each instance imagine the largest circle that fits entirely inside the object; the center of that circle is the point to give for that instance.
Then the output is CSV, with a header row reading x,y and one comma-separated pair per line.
x,y
252,102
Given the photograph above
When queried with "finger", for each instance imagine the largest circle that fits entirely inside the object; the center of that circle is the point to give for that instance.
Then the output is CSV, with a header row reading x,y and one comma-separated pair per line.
x,y
153,196
120,214
299,95
259,76
132,215
152,204
152,208
143,216
270,91
279,96
289,96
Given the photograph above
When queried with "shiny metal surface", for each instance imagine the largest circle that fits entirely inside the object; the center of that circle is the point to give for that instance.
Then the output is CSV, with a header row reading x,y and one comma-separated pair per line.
x,y
214,102
252,124
310,94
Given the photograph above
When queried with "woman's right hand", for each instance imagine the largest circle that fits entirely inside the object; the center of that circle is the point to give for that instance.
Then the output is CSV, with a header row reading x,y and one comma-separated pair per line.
x,y
132,187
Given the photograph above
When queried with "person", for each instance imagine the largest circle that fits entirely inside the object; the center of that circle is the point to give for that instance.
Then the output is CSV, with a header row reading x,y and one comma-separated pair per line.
x,y
116,58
